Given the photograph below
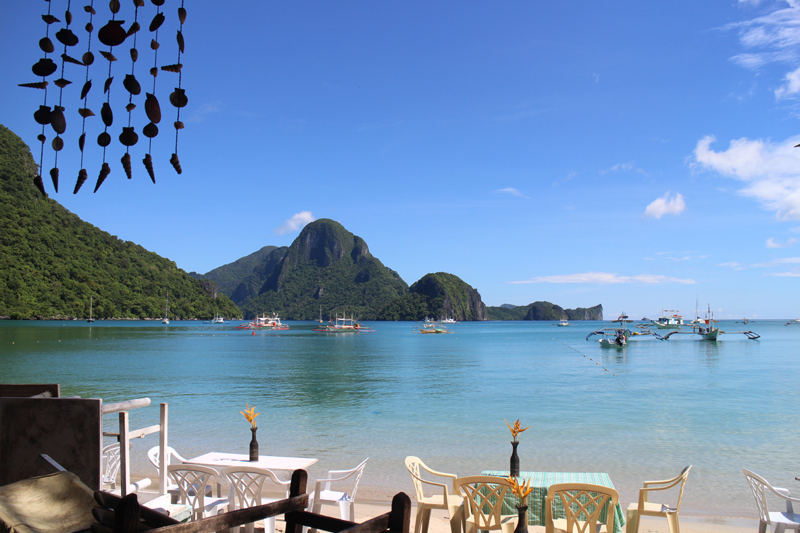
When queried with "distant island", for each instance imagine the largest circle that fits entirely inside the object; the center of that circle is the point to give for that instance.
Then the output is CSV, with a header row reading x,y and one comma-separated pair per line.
x,y
543,311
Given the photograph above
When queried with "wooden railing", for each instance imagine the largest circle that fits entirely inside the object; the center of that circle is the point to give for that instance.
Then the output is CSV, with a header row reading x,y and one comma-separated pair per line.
x,y
124,515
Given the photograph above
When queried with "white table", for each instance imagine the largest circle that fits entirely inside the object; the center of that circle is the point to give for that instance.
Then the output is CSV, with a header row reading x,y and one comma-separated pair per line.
x,y
283,467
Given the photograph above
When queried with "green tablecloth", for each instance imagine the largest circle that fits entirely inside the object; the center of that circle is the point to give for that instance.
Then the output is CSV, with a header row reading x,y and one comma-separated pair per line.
x,y
540,481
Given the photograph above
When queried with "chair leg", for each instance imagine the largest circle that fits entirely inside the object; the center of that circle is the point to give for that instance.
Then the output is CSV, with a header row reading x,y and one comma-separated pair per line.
x,y
632,521
346,510
762,526
426,519
672,521
418,521
779,528
457,520
269,525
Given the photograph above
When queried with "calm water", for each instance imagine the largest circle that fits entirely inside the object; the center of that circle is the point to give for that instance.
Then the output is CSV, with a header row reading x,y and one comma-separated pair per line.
x,y
639,413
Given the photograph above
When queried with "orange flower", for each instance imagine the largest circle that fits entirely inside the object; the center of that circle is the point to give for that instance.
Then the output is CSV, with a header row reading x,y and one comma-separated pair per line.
x,y
516,430
521,490
250,414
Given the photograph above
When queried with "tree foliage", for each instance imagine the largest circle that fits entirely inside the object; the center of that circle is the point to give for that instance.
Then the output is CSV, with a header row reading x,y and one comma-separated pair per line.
x,y
52,262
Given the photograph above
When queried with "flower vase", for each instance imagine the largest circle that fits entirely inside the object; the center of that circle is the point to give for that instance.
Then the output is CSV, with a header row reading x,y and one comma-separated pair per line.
x,y
522,524
253,446
514,470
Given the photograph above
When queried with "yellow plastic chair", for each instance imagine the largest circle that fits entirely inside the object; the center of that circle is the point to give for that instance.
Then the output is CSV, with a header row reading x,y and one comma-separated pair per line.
x,y
425,504
647,508
580,500
483,498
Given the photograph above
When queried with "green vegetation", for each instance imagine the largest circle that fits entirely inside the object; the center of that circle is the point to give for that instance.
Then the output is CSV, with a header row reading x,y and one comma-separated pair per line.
x,y
243,279
544,311
327,267
51,262
436,296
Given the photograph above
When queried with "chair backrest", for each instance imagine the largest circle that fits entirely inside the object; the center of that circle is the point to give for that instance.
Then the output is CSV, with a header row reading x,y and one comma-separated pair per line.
x,y
582,504
683,476
484,496
111,464
191,481
354,474
248,483
759,485
413,465
154,453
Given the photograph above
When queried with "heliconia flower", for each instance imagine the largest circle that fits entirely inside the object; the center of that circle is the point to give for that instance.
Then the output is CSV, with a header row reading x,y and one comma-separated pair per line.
x,y
516,430
521,490
250,414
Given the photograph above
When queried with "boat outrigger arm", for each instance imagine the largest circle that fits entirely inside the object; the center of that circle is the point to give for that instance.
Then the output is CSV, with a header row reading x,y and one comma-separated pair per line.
x,y
752,335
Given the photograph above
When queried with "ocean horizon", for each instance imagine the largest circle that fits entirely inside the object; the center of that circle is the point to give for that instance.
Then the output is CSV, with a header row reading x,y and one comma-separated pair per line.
x,y
638,413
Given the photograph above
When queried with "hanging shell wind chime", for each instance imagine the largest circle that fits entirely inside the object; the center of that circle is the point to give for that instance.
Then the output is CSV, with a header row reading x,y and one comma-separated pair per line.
x,y
113,34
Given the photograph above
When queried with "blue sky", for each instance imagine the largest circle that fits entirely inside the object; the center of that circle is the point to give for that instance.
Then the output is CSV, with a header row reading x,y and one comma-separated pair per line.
x,y
635,154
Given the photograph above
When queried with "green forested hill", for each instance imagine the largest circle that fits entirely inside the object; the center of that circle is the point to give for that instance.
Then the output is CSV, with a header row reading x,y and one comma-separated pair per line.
x,y
326,267
437,296
544,311
52,262
243,278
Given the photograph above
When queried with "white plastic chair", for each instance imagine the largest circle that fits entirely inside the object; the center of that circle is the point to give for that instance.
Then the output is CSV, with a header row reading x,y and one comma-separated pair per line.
x,y
415,467
777,521
644,507
111,462
154,454
187,477
247,487
323,493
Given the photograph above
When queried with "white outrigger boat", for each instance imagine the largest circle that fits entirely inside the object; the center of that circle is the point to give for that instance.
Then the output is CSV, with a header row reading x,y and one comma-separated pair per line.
x,y
343,325
264,322
674,321
706,330
616,334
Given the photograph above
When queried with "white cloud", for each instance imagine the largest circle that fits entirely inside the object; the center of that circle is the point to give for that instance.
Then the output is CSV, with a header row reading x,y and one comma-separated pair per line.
x,y
297,222
605,278
776,35
790,87
771,243
786,274
666,206
624,167
512,191
770,170
199,113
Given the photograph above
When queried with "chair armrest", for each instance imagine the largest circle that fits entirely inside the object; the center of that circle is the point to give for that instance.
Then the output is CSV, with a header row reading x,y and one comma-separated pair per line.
x,y
435,473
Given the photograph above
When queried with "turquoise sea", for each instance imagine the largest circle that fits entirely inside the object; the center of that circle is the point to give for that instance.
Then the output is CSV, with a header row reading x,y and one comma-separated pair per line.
x,y
638,413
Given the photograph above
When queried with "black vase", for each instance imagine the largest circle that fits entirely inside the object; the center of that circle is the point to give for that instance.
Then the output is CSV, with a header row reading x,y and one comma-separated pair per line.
x,y
253,446
514,470
522,524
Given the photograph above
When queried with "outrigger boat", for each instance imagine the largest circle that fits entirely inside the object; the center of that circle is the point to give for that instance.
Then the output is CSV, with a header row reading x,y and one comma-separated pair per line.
x,y
616,334
343,325
449,320
675,321
706,330
431,326
563,323
264,322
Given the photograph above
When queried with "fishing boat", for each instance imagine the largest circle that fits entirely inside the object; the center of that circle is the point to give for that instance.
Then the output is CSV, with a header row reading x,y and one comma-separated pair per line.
x,y
674,321
90,319
165,320
216,320
449,320
432,326
616,334
320,314
563,323
264,322
343,325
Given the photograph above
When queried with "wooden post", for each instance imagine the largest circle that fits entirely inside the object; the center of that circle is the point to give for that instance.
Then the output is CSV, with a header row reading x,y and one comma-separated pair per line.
x,y
124,452
162,455
400,516
296,488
